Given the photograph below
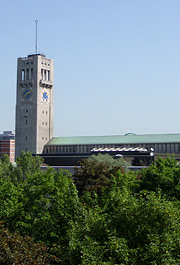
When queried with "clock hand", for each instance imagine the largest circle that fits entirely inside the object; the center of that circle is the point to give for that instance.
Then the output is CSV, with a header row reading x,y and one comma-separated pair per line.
x,y
27,93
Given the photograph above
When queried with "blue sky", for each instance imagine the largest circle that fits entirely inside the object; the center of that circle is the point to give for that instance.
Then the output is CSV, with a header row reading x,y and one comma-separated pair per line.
x,y
117,63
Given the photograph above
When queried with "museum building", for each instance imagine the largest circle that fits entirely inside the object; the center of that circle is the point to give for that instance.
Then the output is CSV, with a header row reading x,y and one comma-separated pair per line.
x,y
161,143
35,122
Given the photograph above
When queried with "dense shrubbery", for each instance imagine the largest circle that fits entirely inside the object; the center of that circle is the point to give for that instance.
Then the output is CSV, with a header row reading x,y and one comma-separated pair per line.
x,y
119,218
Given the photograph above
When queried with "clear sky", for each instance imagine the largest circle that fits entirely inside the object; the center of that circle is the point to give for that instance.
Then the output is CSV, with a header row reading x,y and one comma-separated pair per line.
x,y
117,63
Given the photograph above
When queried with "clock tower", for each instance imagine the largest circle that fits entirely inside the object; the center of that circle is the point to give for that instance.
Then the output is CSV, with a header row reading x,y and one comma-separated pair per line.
x,y
34,103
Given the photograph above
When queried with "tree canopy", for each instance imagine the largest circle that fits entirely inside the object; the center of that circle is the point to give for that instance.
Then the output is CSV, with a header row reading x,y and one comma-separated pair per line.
x,y
94,172
112,217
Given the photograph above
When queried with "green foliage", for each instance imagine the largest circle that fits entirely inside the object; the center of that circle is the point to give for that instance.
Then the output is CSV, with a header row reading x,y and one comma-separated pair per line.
x,y
41,204
119,218
141,229
9,199
163,175
27,165
15,249
6,168
94,173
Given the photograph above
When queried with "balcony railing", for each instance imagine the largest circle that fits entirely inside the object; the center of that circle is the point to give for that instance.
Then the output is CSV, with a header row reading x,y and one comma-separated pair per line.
x,y
46,83
28,82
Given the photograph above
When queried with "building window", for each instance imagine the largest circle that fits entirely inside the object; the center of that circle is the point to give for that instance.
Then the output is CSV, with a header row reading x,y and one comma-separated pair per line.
x,y
27,74
42,74
74,149
179,148
48,75
32,73
26,121
23,75
164,148
26,138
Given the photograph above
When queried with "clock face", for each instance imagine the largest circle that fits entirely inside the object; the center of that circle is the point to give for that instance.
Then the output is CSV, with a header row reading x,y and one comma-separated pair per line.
x,y
27,94
45,95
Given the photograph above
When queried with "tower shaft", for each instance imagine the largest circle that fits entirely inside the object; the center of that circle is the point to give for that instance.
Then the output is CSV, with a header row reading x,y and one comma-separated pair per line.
x,y
34,103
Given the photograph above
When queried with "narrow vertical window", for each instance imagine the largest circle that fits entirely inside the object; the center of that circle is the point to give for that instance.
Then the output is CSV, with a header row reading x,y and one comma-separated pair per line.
x,y
42,74
48,75
32,73
23,75
45,76
27,74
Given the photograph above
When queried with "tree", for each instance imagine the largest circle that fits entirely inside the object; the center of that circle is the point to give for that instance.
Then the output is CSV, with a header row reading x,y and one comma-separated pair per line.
x,y
162,175
6,168
27,165
40,204
127,218
95,171
15,249
122,228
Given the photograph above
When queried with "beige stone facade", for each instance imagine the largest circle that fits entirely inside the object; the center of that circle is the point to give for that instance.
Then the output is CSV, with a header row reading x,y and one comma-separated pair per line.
x,y
34,103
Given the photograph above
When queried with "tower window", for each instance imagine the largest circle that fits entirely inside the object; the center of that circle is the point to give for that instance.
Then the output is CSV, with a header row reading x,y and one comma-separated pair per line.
x,y
45,75
42,74
27,74
32,73
48,75
26,121
26,138
23,75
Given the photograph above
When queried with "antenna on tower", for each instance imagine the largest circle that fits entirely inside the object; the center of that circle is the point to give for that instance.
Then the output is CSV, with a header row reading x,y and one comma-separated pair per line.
x,y
36,21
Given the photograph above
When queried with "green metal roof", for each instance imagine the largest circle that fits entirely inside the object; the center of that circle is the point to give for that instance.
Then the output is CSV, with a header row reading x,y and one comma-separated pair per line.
x,y
116,139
